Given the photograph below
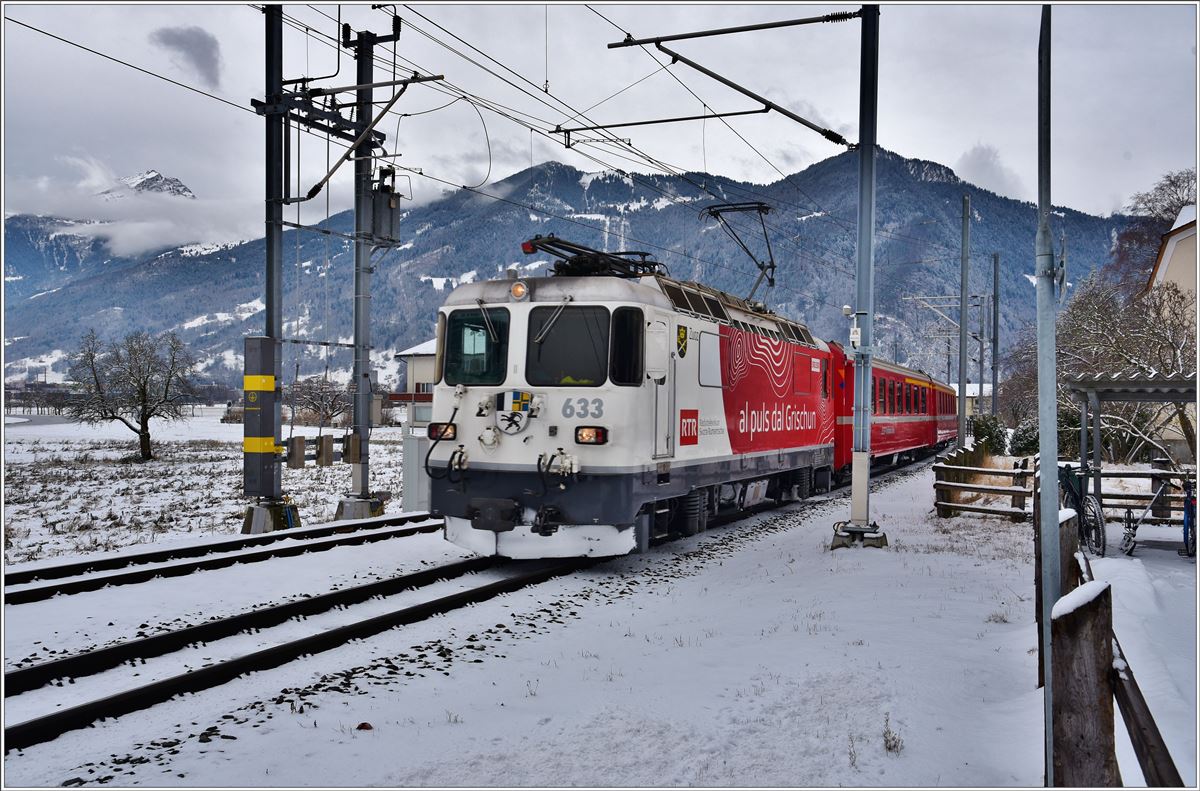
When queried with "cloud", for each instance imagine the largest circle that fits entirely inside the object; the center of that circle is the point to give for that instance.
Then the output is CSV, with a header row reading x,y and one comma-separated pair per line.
x,y
139,222
95,176
981,165
192,48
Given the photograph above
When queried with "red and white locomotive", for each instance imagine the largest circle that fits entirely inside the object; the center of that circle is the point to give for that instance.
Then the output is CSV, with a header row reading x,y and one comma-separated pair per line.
x,y
586,412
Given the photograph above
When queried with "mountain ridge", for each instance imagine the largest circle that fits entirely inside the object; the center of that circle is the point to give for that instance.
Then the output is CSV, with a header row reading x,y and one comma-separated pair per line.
x,y
196,289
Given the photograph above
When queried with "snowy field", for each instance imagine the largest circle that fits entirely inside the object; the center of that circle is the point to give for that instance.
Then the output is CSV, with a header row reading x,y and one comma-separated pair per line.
x,y
71,489
748,656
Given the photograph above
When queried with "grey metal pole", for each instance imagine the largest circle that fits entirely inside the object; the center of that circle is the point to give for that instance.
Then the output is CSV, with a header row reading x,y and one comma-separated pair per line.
x,y
364,58
860,512
274,225
1047,390
995,331
982,342
962,320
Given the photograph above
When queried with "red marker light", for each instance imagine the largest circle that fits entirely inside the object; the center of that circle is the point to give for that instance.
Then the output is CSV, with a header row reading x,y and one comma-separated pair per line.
x,y
527,248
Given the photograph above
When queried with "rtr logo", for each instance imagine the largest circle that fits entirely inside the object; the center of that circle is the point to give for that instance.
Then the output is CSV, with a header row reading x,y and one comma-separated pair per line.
x,y
689,426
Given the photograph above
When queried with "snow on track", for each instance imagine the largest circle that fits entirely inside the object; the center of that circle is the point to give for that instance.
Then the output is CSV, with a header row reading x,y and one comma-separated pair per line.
x,y
48,629
739,657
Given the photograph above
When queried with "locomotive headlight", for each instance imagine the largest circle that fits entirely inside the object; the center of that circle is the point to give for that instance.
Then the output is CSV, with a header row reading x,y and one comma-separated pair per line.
x,y
591,435
441,431
519,290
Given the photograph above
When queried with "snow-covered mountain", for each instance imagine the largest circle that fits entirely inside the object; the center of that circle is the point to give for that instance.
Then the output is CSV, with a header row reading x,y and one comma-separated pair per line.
x,y
148,181
211,294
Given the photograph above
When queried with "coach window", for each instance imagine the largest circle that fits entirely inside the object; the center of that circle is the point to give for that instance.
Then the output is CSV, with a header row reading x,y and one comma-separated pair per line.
x,y
909,392
891,397
824,379
874,394
476,347
625,357
924,402
567,346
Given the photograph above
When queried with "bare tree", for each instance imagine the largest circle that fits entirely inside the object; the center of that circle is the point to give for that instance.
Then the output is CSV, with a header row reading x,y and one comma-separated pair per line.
x,y
132,381
1163,202
1104,331
318,398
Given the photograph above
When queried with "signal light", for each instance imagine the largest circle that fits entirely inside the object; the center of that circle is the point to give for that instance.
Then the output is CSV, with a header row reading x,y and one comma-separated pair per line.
x,y
442,431
519,290
591,435
527,248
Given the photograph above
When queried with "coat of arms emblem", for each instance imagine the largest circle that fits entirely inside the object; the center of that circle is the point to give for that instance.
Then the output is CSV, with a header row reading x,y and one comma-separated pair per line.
x,y
512,410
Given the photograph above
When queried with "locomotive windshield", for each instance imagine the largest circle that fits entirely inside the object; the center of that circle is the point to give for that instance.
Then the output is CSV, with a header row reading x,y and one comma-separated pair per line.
x,y
476,347
567,346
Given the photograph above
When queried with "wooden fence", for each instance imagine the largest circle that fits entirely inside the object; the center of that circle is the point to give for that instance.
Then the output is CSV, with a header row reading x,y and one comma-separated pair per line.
x,y
954,474
1119,501
1090,671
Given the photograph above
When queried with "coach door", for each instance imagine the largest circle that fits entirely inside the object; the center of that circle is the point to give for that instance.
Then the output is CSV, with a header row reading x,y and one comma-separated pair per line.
x,y
660,369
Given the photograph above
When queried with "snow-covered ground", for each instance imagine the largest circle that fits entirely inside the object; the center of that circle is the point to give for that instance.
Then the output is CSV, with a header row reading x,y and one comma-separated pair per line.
x,y
71,489
749,656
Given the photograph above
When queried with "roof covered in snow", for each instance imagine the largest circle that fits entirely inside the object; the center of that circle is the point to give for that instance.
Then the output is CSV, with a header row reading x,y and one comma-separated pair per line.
x,y
426,349
973,390
1136,386
1186,214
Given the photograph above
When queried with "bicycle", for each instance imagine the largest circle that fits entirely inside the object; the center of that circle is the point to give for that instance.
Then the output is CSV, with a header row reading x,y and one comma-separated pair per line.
x,y
1128,540
1189,519
1072,486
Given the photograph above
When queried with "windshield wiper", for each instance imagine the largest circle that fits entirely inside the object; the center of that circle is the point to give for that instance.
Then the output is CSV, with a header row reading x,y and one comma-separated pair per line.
x,y
487,320
546,328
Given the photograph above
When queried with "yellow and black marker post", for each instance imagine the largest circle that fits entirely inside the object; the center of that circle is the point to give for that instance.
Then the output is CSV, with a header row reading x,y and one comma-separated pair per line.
x,y
261,449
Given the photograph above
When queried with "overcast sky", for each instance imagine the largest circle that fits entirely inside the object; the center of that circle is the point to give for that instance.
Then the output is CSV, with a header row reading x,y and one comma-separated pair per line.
x,y
957,86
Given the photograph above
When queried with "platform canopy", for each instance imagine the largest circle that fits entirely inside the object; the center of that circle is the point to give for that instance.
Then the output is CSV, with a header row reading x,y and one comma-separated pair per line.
x,y
1180,388
1093,390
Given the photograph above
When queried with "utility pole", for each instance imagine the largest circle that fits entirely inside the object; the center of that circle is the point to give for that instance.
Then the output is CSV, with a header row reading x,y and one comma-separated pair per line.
x,y
361,503
1047,392
962,321
995,331
375,225
860,525
262,392
861,332
982,341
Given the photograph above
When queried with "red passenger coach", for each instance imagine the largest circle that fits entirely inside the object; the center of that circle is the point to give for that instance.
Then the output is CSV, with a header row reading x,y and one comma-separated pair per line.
x,y
910,410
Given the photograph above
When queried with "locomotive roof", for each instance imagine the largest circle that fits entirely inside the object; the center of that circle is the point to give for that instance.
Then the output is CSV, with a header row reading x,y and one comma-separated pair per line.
x,y
660,291
698,299
554,289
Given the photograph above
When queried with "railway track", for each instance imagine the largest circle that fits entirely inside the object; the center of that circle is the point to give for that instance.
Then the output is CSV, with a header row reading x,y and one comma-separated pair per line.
x,y
44,728
49,726
92,575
